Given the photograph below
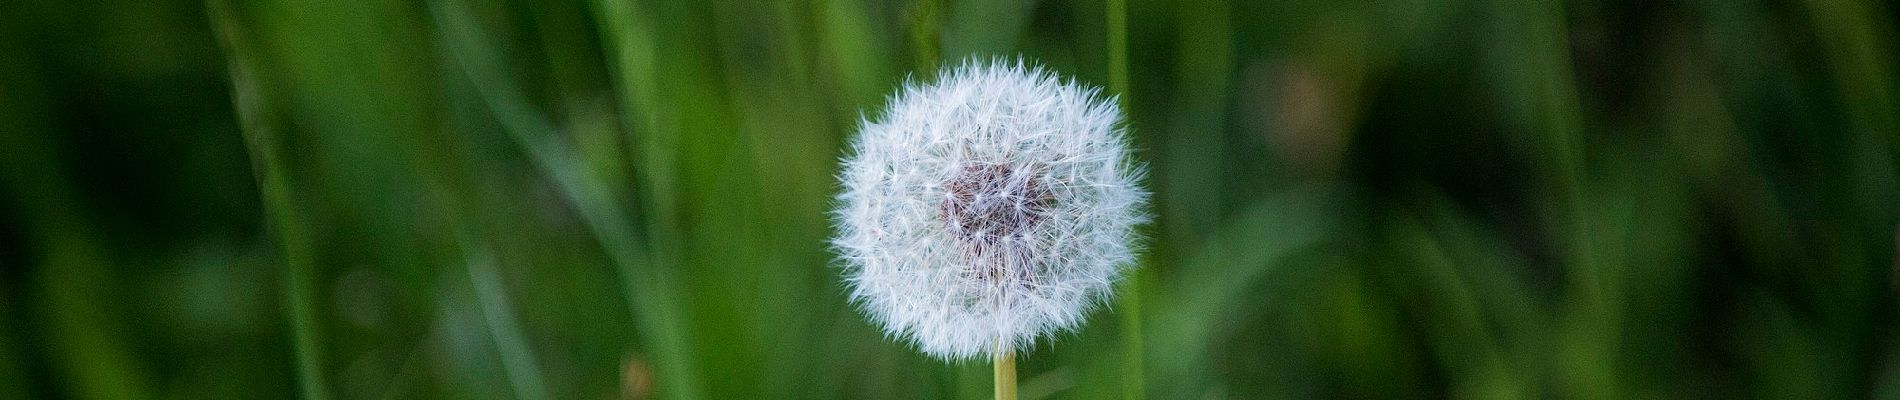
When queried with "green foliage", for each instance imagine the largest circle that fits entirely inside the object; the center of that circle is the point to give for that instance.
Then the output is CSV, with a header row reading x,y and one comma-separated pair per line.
x,y
626,198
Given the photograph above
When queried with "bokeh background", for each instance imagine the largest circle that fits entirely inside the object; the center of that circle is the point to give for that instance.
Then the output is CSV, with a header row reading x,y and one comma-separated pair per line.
x,y
494,199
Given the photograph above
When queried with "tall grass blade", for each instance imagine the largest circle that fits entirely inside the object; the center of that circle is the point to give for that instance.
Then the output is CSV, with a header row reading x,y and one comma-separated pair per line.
x,y
261,139
649,290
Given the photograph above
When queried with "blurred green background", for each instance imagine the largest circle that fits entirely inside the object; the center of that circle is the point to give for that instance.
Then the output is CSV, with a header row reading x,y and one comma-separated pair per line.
x,y
496,199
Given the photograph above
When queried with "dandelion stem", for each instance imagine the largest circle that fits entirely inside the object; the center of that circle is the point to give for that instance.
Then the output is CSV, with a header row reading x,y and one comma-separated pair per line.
x,y
1006,375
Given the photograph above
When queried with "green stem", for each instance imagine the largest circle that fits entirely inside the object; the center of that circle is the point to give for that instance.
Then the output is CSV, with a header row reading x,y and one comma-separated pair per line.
x,y
1133,384
1118,50
649,290
925,34
524,373
1005,366
274,183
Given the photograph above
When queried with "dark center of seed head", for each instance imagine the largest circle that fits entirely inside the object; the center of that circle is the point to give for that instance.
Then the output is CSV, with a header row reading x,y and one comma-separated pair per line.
x,y
991,209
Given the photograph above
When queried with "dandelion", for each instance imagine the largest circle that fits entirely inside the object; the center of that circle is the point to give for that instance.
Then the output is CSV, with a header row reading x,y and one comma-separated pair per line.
x,y
988,209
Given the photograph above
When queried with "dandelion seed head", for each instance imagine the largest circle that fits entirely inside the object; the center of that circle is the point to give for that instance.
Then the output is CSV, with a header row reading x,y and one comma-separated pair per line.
x,y
992,207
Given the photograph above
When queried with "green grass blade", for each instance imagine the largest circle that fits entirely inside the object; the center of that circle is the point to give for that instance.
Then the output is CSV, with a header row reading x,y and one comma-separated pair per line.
x,y
649,290
524,373
1134,383
279,204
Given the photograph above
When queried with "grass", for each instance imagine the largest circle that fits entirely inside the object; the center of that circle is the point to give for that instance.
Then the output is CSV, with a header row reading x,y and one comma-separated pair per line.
x,y
300,287
626,198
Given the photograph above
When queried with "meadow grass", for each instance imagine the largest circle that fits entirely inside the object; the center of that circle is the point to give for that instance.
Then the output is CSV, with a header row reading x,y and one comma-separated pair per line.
x,y
627,198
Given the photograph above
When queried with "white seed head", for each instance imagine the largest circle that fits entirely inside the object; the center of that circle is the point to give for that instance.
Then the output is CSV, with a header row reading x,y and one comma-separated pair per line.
x,y
988,209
